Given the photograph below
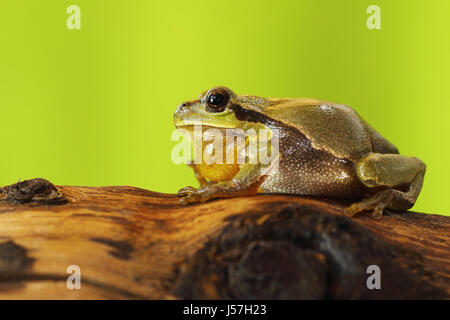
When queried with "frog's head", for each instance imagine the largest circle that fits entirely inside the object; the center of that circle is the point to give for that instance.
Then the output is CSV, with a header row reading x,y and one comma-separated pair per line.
x,y
213,109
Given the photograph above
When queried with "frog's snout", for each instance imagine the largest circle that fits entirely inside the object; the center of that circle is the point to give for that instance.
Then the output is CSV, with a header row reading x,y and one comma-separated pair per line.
x,y
182,106
181,109
181,113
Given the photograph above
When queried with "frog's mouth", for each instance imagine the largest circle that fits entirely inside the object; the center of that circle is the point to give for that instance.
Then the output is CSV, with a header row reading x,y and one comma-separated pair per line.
x,y
182,123
207,132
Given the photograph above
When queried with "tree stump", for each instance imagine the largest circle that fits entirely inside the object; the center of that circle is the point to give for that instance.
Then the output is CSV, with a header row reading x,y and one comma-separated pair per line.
x,y
131,243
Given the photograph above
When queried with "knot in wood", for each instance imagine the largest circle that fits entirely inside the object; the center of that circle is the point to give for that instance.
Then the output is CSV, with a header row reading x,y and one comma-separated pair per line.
x,y
39,191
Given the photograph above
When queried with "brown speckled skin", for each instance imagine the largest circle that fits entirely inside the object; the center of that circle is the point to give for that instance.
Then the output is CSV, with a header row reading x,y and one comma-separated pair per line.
x,y
304,170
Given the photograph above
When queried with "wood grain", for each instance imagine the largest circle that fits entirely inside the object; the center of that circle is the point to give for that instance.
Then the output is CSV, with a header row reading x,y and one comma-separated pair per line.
x,y
132,243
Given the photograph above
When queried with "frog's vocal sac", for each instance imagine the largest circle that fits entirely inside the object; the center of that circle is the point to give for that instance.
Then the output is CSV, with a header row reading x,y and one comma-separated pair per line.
x,y
325,149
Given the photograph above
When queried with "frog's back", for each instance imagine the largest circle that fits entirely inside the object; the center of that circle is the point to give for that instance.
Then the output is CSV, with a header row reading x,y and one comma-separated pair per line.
x,y
332,127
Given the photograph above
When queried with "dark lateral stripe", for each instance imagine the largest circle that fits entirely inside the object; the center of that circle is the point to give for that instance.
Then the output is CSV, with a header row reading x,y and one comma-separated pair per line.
x,y
252,116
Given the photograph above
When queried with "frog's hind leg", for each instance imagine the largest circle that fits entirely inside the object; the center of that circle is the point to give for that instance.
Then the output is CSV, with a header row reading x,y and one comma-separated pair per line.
x,y
397,178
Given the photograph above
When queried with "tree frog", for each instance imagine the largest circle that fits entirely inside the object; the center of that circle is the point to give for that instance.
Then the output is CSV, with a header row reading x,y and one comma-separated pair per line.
x,y
325,149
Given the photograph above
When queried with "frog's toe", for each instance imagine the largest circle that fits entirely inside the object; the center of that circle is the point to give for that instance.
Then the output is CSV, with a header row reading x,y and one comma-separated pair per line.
x,y
374,207
188,195
188,199
186,191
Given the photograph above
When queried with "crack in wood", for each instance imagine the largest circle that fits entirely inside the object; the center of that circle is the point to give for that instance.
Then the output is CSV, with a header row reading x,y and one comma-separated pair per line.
x,y
122,251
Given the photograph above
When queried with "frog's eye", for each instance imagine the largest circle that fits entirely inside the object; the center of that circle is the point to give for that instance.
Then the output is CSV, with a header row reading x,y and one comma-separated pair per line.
x,y
217,100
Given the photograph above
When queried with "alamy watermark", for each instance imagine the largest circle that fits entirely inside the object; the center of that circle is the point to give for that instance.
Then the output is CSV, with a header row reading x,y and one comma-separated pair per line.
x,y
74,20
374,20
227,146
374,280
74,280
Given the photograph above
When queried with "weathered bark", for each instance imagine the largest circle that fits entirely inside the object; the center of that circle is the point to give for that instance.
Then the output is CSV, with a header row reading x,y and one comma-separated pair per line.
x,y
134,243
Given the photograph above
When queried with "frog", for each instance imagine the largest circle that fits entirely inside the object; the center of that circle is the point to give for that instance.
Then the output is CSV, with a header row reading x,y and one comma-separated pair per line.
x,y
325,150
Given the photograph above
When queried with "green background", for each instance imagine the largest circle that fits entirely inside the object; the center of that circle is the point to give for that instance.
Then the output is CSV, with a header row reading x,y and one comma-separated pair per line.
x,y
95,106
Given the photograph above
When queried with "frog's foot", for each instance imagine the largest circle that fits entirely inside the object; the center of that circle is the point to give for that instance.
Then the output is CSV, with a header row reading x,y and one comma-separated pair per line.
x,y
219,190
375,205
191,195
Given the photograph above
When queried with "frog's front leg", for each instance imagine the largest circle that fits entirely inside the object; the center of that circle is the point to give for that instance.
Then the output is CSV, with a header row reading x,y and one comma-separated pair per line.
x,y
244,183
397,178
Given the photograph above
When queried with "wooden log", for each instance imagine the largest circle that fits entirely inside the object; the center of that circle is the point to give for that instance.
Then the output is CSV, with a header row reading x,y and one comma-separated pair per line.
x,y
131,243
